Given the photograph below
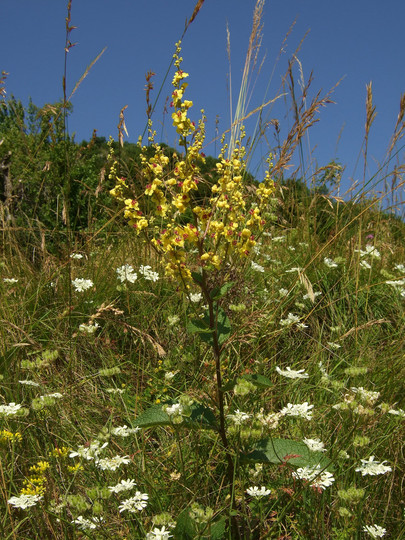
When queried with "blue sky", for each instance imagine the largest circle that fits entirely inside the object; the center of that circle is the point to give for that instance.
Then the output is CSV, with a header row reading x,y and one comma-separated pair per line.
x,y
357,40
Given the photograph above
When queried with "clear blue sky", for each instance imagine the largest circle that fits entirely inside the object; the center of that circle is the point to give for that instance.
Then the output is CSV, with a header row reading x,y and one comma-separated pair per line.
x,y
360,40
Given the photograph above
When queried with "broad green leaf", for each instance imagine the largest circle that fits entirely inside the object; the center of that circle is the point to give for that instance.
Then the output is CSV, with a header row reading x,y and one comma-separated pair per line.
x,y
185,528
258,380
197,277
219,292
200,417
223,326
296,453
201,327
218,529
154,416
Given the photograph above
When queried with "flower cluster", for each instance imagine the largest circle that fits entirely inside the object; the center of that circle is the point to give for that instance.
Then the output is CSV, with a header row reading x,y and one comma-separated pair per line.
x,y
223,225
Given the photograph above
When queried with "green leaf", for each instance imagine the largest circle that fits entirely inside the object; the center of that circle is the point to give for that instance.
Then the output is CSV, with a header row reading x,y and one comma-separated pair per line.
x,y
219,292
218,529
185,528
201,417
258,380
223,326
154,416
278,451
197,277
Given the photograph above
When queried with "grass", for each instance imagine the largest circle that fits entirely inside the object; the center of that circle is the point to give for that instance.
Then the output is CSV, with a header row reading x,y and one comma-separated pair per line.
x,y
264,401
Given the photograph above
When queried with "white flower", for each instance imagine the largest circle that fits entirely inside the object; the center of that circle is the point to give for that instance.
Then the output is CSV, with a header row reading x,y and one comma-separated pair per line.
x,y
397,412
333,345
195,297
318,479
29,383
76,256
303,410
55,395
126,273
330,263
369,251
81,284
254,491
373,468
114,390
112,464
239,417
10,410
365,264
84,524
89,452
293,269
159,534
24,501
124,431
315,445
173,319
89,328
256,267
375,531
291,319
10,280
283,292
366,395
148,274
292,374
169,375
138,502
174,409
400,268
124,485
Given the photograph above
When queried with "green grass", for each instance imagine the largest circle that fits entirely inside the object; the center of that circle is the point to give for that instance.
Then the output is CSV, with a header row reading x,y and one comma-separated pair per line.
x,y
142,337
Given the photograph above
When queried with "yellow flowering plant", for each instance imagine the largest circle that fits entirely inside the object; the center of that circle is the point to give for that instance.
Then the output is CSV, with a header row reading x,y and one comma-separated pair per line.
x,y
196,241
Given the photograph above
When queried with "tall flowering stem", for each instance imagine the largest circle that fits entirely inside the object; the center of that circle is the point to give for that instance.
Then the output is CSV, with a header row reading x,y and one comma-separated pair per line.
x,y
196,240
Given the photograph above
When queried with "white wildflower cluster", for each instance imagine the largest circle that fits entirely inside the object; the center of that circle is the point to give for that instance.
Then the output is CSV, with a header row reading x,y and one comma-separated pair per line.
x,y
397,412
10,280
318,478
315,295
124,431
195,297
85,524
173,319
398,284
124,485
269,420
55,395
256,267
283,292
148,274
126,273
81,284
375,531
175,412
88,328
112,464
315,445
28,383
292,373
10,410
366,395
114,390
369,251
330,263
238,417
297,269
135,504
302,410
24,501
76,256
257,492
89,452
159,534
292,319
333,345
373,468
